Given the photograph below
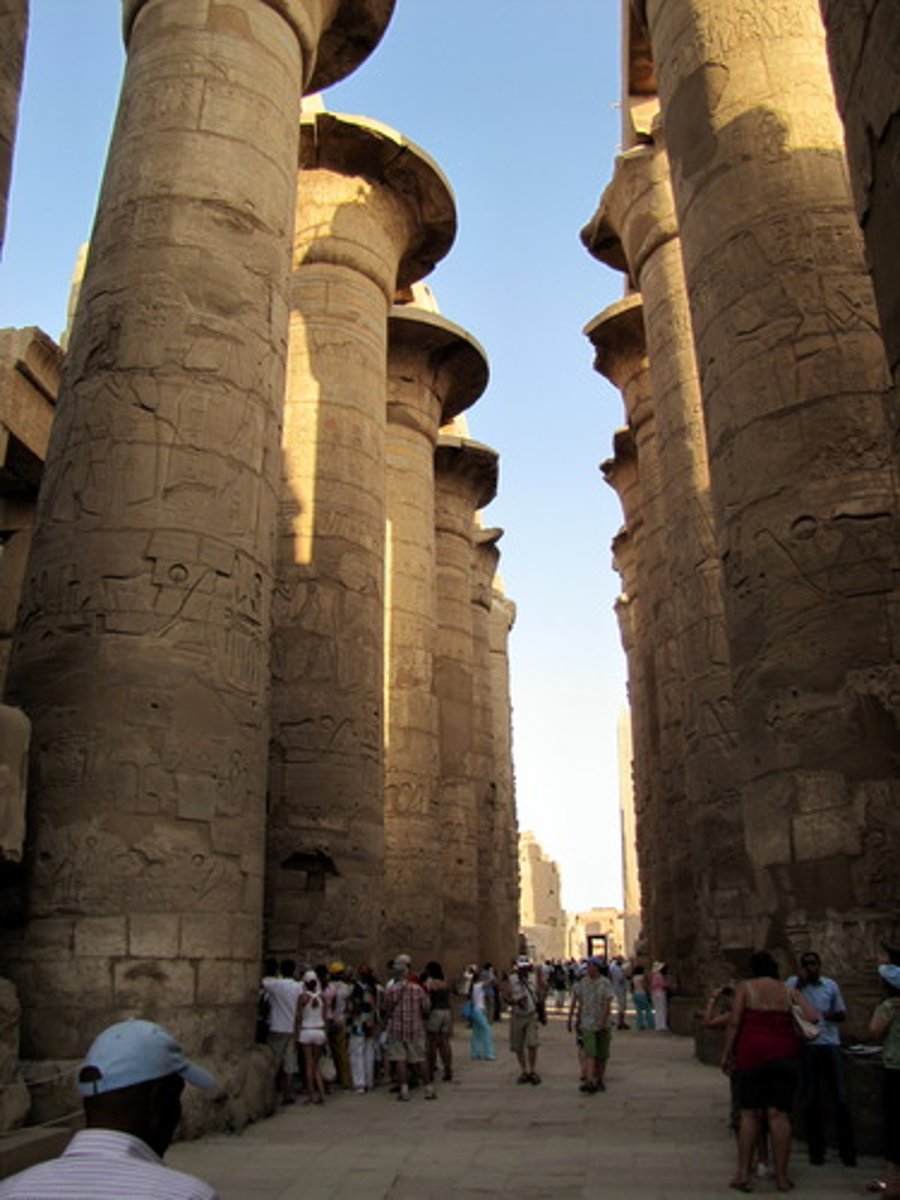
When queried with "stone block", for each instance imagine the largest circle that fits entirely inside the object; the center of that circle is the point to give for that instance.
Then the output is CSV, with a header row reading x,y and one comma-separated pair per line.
x,y
51,1084
222,982
154,985
246,939
97,936
205,935
51,937
153,935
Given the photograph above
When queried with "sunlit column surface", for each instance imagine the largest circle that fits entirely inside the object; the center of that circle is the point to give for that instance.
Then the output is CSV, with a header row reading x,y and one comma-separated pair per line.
x,y
506,883
465,481
143,652
374,214
435,371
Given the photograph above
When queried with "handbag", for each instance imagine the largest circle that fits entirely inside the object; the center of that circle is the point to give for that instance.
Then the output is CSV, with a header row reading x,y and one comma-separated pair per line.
x,y
806,1030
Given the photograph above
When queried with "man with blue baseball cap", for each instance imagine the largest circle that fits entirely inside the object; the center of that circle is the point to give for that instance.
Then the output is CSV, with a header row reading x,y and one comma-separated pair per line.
x,y
131,1084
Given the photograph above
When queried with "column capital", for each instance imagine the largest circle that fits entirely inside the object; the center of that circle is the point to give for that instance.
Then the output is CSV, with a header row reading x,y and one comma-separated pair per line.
x,y
617,335
359,147
470,462
335,35
636,214
455,363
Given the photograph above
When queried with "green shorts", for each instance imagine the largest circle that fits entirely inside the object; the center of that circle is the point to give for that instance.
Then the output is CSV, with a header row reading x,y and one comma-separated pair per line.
x,y
595,1043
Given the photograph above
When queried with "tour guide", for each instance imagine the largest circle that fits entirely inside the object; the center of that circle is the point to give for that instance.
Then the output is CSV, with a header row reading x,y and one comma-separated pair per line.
x,y
131,1084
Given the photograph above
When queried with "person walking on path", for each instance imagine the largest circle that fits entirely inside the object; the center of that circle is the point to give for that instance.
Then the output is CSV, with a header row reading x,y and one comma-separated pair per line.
x,y
523,996
885,1025
823,1078
406,1006
482,1038
619,981
589,1012
660,987
761,1047
643,1009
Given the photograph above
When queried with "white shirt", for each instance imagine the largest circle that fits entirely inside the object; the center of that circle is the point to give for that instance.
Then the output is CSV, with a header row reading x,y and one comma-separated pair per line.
x,y
103,1164
283,994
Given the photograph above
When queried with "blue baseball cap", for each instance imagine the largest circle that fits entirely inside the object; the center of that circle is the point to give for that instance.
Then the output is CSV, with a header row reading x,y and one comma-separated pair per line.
x,y
133,1052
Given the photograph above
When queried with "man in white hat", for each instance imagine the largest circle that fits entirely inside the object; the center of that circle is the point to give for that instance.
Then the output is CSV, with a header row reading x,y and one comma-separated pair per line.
x,y
131,1084
523,993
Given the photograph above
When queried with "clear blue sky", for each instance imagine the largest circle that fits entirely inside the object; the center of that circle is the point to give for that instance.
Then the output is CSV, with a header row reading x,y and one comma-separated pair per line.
x,y
517,100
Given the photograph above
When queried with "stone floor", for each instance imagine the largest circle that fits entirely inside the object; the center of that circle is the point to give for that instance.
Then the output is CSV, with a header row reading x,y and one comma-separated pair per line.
x,y
658,1131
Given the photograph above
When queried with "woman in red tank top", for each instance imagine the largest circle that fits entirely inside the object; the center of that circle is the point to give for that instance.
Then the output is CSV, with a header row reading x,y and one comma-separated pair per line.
x,y
761,1050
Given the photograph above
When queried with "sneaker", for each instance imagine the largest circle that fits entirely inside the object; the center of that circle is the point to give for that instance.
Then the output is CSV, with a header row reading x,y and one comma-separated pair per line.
x,y
430,1093
403,1097
533,1078
524,1078
599,1087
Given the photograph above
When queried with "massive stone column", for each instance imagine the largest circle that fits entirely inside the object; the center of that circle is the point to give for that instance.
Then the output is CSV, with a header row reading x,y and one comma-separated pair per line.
x,y
142,657
375,213
503,616
13,36
617,335
465,481
864,48
435,372
637,216
485,557
622,473
801,470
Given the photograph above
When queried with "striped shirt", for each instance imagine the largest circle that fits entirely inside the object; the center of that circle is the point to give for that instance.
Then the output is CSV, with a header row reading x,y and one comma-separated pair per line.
x,y
405,1005
103,1164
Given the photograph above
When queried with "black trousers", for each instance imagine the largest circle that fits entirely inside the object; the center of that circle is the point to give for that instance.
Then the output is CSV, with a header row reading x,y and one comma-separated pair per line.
x,y
824,1087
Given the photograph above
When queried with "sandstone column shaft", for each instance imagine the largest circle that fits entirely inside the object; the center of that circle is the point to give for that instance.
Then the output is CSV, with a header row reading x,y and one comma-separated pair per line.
x,y
638,208
618,337
465,481
375,213
485,558
434,372
143,652
793,378
503,616
864,48
14,31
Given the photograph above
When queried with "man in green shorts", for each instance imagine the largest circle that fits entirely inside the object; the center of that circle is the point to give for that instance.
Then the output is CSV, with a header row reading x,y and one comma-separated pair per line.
x,y
589,1011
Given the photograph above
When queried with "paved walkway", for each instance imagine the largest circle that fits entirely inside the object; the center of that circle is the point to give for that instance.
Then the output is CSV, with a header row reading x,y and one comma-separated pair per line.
x,y
658,1131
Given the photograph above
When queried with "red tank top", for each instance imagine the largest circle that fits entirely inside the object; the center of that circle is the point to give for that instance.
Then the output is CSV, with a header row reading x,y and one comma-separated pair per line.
x,y
763,1037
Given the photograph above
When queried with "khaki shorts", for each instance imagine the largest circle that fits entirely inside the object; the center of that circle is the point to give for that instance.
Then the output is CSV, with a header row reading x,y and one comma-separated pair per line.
x,y
410,1052
523,1032
438,1021
284,1047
